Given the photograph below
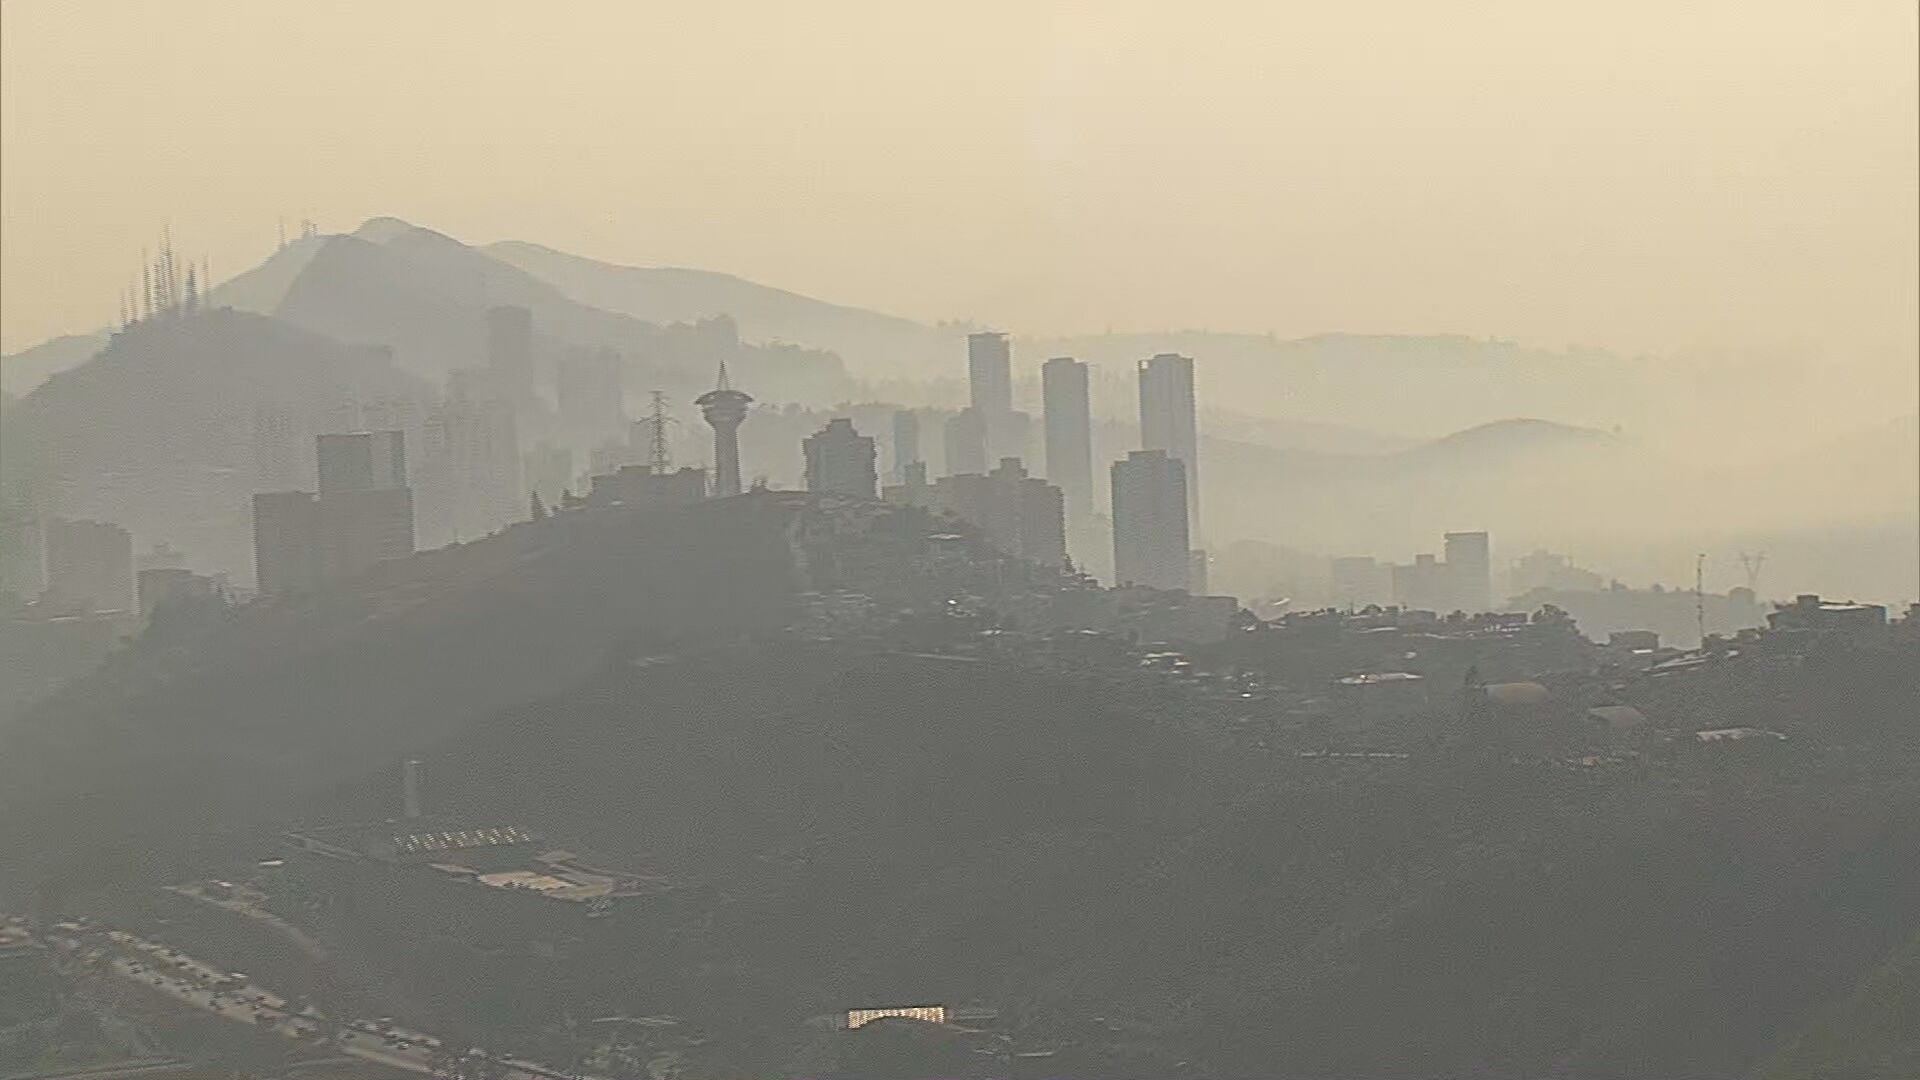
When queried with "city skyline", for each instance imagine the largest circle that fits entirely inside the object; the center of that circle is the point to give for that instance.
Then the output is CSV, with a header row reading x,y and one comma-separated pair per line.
x,y
854,540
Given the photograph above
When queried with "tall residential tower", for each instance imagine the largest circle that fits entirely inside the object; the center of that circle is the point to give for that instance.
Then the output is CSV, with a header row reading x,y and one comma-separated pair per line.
x,y
990,387
1167,421
842,461
1150,544
1069,424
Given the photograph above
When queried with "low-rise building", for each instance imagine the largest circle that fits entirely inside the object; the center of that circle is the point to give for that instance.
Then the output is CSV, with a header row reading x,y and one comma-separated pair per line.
x,y
638,485
1809,612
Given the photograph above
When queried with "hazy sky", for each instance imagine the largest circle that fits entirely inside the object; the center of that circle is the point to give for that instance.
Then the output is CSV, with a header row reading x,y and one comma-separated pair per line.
x,y
1636,175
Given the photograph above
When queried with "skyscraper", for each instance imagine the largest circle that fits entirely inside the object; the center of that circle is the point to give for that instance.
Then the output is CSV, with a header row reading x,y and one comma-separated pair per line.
x,y
470,472
363,515
906,442
1069,425
361,461
1150,544
725,409
1019,514
990,386
1423,585
1360,580
1167,421
990,372
966,442
360,528
1470,571
172,585
842,461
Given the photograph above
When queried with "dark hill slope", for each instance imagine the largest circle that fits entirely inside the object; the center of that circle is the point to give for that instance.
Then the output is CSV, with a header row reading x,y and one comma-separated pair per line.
x,y
1872,1033
895,828
889,828
155,433
286,699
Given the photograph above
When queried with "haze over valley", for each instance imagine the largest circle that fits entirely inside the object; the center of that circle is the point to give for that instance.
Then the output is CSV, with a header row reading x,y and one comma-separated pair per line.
x,y
1014,542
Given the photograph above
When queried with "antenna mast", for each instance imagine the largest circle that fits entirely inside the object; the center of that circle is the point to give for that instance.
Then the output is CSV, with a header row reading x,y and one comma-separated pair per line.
x,y
1699,597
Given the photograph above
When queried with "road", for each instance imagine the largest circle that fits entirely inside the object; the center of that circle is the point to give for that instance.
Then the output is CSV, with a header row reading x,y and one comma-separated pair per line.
x,y
230,996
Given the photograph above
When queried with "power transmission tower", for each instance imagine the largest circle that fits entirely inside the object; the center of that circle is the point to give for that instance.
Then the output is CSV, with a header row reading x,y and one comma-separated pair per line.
x,y
1752,563
659,457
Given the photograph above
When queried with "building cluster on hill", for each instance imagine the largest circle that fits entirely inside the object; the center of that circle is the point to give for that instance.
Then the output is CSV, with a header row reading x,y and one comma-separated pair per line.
x,y
1155,490
1460,581
472,478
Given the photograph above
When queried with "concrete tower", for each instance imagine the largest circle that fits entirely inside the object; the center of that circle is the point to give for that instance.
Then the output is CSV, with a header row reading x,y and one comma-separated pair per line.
x,y
1470,568
725,409
1150,521
840,460
1069,426
990,372
906,441
1167,421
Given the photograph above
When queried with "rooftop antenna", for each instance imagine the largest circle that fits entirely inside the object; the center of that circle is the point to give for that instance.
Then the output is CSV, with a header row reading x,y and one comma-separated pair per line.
x,y
1699,597
1752,563
410,787
659,457
169,281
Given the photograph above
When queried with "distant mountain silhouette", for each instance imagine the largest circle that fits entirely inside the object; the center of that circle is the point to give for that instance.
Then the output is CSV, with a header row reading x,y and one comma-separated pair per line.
x,y
1504,437
419,291
22,371
262,288
1407,385
1372,382
258,290
1502,476
871,342
425,294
